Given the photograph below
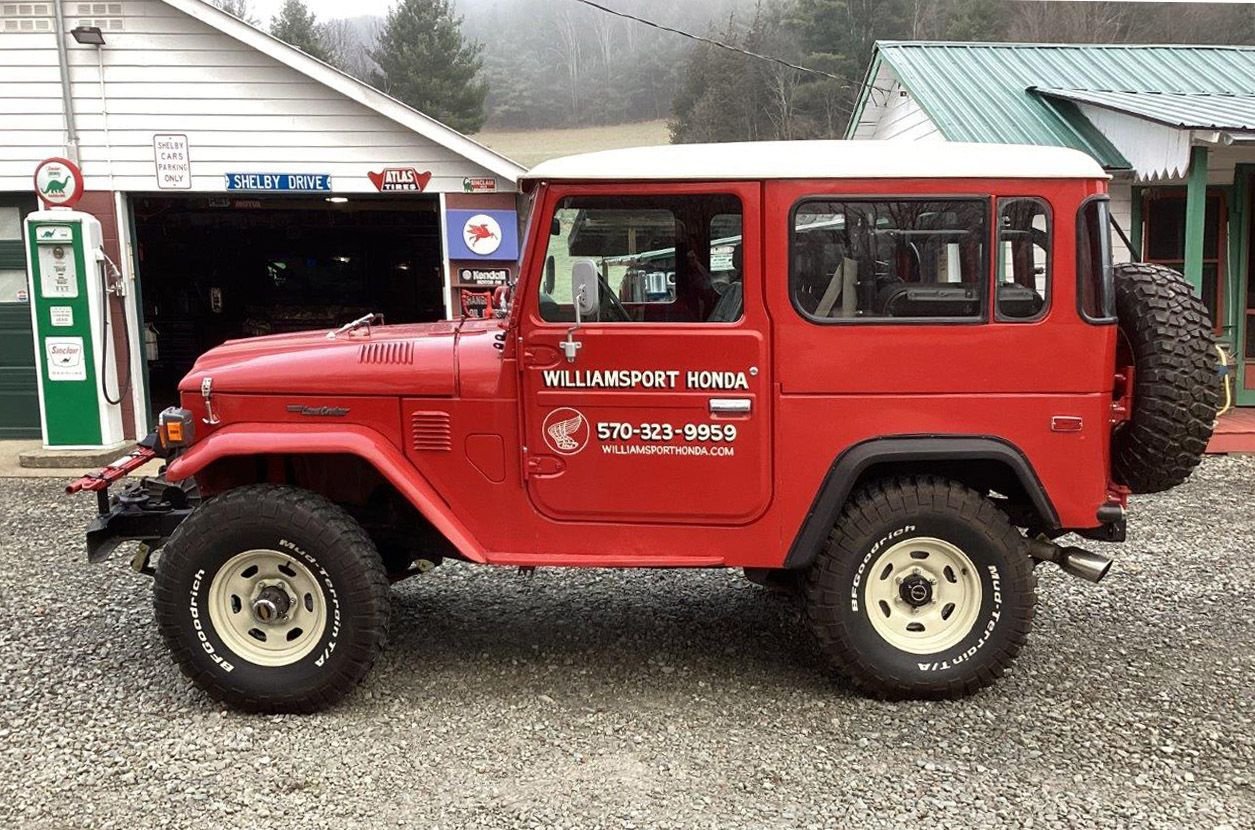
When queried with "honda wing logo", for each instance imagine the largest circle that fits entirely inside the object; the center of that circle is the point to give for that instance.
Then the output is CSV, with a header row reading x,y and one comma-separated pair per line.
x,y
566,431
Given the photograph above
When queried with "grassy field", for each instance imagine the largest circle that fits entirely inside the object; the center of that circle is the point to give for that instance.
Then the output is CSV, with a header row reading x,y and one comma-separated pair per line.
x,y
530,147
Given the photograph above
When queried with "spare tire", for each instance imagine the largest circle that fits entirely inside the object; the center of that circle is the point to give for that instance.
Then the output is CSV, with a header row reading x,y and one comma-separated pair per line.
x,y
1167,336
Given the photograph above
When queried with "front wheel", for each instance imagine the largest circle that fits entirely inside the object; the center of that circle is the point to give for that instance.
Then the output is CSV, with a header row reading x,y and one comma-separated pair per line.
x,y
272,599
923,591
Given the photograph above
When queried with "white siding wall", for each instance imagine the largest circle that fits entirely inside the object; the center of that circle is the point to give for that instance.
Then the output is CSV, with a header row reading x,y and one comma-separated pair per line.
x,y
890,114
1122,210
902,118
166,72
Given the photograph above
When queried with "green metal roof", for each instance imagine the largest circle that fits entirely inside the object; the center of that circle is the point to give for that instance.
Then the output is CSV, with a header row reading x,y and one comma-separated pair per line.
x,y
1180,110
981,91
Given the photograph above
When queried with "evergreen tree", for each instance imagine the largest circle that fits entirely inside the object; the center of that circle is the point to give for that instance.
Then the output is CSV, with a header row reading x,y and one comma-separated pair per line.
x,y
424,61
296,26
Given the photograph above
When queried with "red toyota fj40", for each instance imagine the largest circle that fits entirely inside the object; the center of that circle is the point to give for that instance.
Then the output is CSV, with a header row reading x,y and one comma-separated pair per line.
x,y
888,375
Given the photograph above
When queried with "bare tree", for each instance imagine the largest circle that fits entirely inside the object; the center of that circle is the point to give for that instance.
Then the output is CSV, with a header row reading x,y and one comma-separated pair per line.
x,y
243,9
351,42
1041,22
570,52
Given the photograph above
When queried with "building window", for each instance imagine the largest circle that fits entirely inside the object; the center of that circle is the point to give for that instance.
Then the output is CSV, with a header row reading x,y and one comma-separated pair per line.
x,y
1165,240
1023,258
860,260
660,259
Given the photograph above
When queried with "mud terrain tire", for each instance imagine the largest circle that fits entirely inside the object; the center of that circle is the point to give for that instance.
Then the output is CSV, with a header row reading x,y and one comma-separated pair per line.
x,y
1176,386
904,534
248,551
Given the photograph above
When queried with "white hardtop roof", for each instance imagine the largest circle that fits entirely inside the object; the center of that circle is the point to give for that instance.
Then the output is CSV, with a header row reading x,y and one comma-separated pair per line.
x,y
822,160
351,87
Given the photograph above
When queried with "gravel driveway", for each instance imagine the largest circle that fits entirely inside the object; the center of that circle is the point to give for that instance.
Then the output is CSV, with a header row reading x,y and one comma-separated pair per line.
x,y
639,699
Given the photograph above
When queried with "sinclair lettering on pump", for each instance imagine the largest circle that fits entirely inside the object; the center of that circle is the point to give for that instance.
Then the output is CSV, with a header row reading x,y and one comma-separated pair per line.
x,y
67,285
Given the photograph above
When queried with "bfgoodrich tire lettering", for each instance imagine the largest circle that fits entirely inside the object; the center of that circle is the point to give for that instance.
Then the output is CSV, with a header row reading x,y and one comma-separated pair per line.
x,y
910,520
343,592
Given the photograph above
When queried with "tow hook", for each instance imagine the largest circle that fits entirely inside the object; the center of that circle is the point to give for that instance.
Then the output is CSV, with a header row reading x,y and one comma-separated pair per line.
x,y
1089,566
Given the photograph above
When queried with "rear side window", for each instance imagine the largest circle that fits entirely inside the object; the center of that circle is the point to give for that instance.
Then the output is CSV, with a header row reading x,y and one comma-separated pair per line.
x,y
876,260
1023,258
1095,286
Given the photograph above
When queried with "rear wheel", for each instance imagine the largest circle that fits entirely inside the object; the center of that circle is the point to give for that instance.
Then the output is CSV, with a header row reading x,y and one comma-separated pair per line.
x,y
923,591
272,599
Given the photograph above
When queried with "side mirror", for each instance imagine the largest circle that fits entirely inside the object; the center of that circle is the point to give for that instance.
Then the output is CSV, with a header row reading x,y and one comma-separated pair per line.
x,y
551,275
555,227
585,288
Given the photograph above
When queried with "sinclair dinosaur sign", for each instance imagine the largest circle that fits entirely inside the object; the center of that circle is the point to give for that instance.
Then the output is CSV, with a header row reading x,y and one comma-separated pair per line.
x,y
58,182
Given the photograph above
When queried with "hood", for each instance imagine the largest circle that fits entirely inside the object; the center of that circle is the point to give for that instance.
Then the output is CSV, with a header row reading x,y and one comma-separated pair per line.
x,y
415,359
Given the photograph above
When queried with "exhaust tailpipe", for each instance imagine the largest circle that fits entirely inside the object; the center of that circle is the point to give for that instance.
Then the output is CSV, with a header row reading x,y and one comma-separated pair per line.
x,y
1091,567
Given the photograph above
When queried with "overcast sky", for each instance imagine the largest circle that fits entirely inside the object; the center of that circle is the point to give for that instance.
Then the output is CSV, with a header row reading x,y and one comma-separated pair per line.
x,y
324,9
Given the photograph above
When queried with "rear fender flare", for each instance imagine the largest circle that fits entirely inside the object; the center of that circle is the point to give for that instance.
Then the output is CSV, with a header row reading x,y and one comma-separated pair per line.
x,y
313,439
850,465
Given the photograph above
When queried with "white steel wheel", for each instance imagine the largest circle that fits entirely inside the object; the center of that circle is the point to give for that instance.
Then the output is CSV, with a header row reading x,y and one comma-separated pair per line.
x,y
923,595
267,607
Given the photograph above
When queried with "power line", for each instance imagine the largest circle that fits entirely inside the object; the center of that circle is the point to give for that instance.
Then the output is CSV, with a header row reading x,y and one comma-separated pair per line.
x,y
717,43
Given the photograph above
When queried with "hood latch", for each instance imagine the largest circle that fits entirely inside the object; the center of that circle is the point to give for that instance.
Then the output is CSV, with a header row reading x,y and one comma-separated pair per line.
x,y
207,392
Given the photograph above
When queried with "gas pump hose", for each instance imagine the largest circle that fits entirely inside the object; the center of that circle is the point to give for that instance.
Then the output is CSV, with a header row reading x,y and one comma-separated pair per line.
x,y
123,388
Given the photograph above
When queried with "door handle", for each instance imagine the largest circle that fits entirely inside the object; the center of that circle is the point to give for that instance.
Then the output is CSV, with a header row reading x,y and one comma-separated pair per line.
x,y
730,406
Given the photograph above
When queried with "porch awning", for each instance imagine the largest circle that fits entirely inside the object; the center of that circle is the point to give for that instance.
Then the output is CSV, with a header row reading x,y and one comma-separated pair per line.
x,y
1185,111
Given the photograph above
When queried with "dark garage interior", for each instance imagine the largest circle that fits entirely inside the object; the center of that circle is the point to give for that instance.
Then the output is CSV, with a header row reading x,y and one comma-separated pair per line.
x,y
213,269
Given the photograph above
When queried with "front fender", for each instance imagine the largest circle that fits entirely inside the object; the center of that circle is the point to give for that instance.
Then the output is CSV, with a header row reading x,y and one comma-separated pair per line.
x,y
313,439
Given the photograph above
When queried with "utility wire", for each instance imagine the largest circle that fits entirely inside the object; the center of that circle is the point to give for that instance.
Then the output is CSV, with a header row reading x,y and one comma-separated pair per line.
x,y
718,43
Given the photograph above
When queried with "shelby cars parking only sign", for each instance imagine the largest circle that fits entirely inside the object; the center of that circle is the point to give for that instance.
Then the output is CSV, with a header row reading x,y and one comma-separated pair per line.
x,y
482,234
174,165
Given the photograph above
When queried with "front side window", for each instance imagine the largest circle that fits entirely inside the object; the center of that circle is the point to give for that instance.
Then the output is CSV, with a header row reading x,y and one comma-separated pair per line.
x,y
1023,258
1095,288
882,260
659,259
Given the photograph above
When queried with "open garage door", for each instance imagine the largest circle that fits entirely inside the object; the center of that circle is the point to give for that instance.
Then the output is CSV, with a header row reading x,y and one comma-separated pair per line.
x,y
19,394
216,268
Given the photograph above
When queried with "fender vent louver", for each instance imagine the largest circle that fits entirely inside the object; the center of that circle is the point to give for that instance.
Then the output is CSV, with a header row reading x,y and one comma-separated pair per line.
x,y
394,351
431,432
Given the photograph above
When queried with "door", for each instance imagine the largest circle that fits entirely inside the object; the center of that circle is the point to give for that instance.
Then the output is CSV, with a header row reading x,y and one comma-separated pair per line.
x,y
662,413
19,395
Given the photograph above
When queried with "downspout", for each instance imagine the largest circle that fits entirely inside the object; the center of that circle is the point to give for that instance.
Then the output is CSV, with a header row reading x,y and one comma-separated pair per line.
x,y
67,102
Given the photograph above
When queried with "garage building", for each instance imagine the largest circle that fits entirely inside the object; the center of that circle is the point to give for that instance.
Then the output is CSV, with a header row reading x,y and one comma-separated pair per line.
x,y
244,187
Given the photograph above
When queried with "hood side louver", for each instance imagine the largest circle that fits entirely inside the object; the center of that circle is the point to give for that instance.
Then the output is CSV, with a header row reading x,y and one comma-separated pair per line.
x,y
392,351
431,432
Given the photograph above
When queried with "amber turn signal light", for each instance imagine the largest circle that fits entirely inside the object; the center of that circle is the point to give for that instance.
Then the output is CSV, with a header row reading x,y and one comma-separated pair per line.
x,y
175,427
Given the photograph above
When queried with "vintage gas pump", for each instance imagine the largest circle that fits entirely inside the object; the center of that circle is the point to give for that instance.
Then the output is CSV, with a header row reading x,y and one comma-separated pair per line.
x,y
70,277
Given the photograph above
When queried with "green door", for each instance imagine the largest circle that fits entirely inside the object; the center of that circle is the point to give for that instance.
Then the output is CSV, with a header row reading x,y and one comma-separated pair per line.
x,y
19,395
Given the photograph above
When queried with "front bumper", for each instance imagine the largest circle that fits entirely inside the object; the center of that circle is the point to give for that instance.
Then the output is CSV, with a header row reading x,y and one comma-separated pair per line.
x,y
147,511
